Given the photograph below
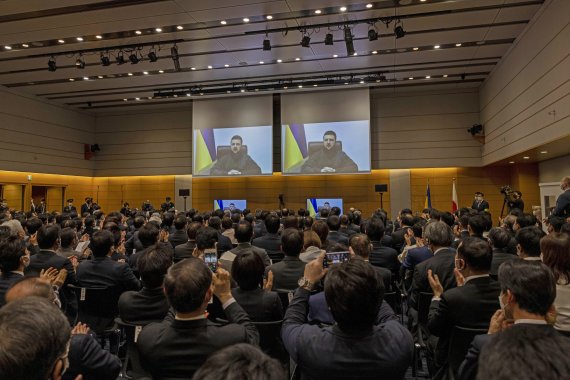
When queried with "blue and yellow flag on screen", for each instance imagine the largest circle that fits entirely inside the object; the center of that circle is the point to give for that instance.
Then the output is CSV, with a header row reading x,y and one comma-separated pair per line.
x,y
295,145
427,203
205,149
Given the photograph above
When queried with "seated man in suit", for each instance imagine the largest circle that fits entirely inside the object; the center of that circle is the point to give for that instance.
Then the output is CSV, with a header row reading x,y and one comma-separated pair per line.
x,y
329,159
179,236
236,162
356,346
381,255
471,304
398,237
344,223
149,235
244,233
149,304
500,240
360,246
14,257
287,272
270,241
183,251
333,222
528,239
528,290
224,243
479,203
102,271
179,345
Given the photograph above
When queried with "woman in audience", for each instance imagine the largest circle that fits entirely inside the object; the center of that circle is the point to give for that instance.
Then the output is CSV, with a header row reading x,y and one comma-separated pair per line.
x,y
261,305
555,249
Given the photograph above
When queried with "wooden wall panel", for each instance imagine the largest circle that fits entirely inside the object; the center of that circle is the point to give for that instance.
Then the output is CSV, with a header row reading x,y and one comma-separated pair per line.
x,y
13,195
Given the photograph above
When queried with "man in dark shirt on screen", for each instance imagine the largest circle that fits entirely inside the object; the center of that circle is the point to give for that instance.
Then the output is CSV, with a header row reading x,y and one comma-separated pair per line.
x,y
236,162
329,159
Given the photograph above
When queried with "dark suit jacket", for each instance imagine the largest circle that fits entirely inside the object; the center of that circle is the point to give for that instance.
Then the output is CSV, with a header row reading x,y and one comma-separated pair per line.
x,y
86,357
102,271
398,240
259,228
471,305
133,259
261,306
484,205
184,251
330,353
562,204
85,208
286,273
385,257
144,306
269,242
133,243
416,256
176,349
499,257
441,264
247,247
178,237
6,280
337,237
346,231
224,244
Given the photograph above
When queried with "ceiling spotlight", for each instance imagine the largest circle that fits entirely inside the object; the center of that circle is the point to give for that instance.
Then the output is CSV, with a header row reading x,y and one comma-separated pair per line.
x,y
245,19
374,51
306,41
226,65
210,67
152,56
105,61
161,71
279,60
179,27
223,22
318,12
297,59
372,34
134,58
368,5
329,40
526,157
158,30
145,72
269,17
71,79
543,151
99,37
436,47
138,32
266,44
458,45
51,64
415,49
100,76
343,9
120,58
61,41
399,30
79,39
348,40
80,62
130,74
85,78
25,45
175,57
335,55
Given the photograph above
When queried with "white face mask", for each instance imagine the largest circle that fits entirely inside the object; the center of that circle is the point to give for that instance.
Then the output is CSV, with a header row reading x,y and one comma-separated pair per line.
x,y
501,302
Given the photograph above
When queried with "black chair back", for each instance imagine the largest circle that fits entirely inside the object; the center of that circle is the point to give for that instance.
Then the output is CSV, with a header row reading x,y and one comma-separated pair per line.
x,y
97,306
459,342
394,299
270,339
423,307
315,146
285,295
275,256
222,150
132,367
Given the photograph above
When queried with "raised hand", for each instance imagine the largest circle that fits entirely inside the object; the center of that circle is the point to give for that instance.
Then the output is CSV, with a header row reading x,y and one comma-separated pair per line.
x,y
435,284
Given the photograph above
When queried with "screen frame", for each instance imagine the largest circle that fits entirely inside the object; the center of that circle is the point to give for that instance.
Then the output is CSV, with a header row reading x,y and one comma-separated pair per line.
x,y
307,204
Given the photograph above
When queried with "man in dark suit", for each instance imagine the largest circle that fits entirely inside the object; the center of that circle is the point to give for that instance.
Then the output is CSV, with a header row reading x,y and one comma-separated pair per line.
x,y
360,246
13,260
398,236
149,235
179,236
167,205
87,207
334,236
149,304
70,208
224,242
183,251
381,256
356,346
500,240
528,290
563,201
344,229
179,345
287,272
243,234
471,304
480,204
439,237
271,241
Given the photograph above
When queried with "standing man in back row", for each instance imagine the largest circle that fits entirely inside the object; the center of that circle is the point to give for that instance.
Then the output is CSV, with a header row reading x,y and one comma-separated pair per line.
x,y
329,159
480,204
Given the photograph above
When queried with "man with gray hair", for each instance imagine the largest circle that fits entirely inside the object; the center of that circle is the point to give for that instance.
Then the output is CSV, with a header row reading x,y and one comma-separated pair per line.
x,y
16,229
439,238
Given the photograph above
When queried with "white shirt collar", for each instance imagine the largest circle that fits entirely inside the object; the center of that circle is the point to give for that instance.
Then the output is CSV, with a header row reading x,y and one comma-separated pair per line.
x,y
201,316
18,272
438,250
532,258
531,321
469,278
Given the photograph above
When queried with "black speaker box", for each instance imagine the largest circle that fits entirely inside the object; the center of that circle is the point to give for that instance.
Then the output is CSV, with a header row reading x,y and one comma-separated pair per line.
x,y
381,188
183,192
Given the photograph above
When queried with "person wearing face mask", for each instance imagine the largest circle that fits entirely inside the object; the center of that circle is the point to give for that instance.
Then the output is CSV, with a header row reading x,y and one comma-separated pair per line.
x,y
528,290
563,201
14,258
471,304
480,204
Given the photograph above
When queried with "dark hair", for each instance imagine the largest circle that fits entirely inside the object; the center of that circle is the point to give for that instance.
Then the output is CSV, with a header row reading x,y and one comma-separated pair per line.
x,y
344,220
353,294
477,224
333,222
180,222
148,234
240,361
247,270
244,232
215,222
272,223
375,229
555,249
321,229
418,229
291,242
33,225
329,133
526,220
556,222
102,242
531,282
565,228
335,210
477,253
499,238
67,235
153,265
34,333
529,240
360,244
227,223
206,237
311,239
407,220
236,137
193,229
11,252
186,284
138,222
530,353
48,235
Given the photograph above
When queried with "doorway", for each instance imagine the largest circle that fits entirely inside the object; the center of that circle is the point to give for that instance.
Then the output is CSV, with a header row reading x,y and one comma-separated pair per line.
x,y
53,196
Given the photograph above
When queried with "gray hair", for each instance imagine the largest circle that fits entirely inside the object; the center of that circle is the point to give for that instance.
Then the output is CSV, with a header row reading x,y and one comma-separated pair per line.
x,y
15,227
439,234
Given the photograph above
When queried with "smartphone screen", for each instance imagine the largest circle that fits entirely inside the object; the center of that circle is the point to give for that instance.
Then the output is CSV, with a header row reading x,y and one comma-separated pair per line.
x,y
211,259
335,258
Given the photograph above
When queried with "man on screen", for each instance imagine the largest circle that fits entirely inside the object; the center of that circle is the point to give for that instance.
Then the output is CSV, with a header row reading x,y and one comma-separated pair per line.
x,y
237,162
329,159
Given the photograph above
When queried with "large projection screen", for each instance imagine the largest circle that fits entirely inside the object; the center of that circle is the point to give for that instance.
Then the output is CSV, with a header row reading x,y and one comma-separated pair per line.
x,y
325,132
233,137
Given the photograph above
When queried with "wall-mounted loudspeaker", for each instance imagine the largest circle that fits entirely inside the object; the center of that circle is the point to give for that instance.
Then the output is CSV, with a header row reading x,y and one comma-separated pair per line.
x,y
381,188
183,192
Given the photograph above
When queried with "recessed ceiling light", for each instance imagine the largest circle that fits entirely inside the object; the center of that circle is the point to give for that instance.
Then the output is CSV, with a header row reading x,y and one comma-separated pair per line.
x,y
318,12
415,49
179,27
161,71
297,59
269,17
85,78
285,87
79,39
130,74
355,53
99,37
223,22
210,67
25,45
368,5
261,62
245,19
158,30
188,94
458,44
427,77
71,79
61,41
361,82
242,90
436,47
300,86
543,152
145,72
343,9
345,82
125,99
374,51
445,75
137,98
150,97
315,85
423,1
411,78
511,162
226,65
480,42
138,32
7,47
192,68
279,60
335,55
175,95
100,76
526,157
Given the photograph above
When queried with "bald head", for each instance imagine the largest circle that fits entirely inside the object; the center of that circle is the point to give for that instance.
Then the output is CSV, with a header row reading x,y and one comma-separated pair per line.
x,y
30,287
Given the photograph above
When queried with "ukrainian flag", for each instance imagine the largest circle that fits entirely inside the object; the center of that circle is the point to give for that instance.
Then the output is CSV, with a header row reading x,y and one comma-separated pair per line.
x,y
312,206
218,204
427,203
205,149
295,145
